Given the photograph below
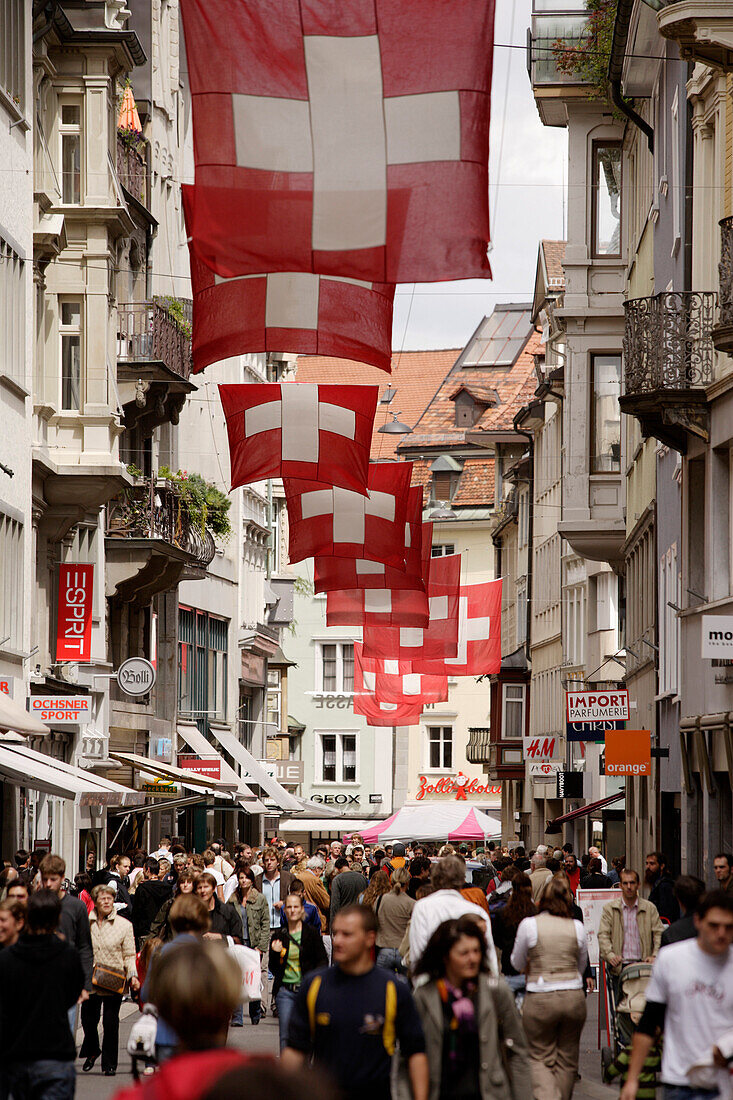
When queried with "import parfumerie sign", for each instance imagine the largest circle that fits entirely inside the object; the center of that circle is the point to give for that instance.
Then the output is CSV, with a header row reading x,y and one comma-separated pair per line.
x,y
598,706
717,636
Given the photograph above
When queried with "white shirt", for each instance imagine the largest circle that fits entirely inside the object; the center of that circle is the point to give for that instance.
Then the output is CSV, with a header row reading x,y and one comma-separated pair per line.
x,y
527,939
256,869
697,990
230,886
162,853
444,905
220,880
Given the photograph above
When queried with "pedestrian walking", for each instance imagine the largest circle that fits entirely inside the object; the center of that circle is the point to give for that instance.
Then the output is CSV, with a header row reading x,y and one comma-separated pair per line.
x,y
251,909
12,921
473,1035
723,868
314,890
295,951
393,911
347,885
113,945
224,921
688,890
41,979
506,921
552,950
150,893
447,876
350,1016
630,929
661,883
689,998
73,923
312,914
160,927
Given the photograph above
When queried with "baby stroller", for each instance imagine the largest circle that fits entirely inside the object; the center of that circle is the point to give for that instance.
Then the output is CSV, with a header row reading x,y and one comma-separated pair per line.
x,y
626,1002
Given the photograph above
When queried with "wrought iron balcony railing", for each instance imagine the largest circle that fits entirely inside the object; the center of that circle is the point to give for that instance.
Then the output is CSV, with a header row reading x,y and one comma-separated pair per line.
x,y
478,750
146,331
668,342
132,171
152,510
723,332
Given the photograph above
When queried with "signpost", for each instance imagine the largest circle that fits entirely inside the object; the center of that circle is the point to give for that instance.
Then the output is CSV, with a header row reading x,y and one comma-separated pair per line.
x,y
544,771
136,676
628,752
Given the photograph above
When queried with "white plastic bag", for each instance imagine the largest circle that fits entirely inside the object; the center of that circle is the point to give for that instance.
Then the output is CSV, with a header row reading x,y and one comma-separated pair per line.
x,y
248,960
141,1043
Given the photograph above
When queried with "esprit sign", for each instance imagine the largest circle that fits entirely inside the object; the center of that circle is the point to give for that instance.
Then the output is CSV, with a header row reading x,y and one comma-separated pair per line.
x,y
628,752
62,710
717,636
460,786
597,706
74,618
210,767
539,750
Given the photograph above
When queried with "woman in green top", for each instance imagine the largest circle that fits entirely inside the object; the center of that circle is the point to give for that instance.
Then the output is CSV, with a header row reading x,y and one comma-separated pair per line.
x,y
294,952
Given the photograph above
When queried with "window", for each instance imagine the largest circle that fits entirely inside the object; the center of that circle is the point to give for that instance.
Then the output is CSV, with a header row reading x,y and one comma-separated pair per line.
x,y
202,665
512,712
274,546
12,313
669,624
11,583
274,701
606,198
335,668
443,485
70,131
440,747
574,625
443,549
499,339
606,601
337,758
521,611
523,518
70,329
12,50
605,414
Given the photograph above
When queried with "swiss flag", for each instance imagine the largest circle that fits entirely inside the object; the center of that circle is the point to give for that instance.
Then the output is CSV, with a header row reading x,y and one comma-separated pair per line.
x,y
395,682
377,607
321,433
479,634
289,311
344,574
439,638
348,525
345,139
377,712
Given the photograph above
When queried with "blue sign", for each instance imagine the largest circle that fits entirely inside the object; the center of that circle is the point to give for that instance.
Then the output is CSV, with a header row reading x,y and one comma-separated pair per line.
x,y
592,731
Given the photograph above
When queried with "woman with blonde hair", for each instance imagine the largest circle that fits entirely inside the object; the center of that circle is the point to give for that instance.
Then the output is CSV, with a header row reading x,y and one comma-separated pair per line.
x,y
393,911
551,949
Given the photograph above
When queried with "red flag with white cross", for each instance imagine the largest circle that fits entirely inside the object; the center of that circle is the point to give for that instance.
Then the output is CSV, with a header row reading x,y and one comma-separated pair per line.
x,y
395,682
320,433
346,138
377,607
439,639
348,525
379,712
479,634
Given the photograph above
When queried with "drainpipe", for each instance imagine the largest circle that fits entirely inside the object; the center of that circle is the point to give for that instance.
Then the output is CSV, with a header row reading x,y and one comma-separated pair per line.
x,y
615,69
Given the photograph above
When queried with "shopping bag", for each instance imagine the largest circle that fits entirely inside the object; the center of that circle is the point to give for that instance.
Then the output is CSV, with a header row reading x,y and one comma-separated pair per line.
x,y
248,960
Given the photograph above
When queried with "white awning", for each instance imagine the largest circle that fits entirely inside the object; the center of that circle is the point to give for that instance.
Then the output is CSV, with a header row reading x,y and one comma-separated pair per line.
x,y
193,737
341,825
26,768
221,788
253,771
15,717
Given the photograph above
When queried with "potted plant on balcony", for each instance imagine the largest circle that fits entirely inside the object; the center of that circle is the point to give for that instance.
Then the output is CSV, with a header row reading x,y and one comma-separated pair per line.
x,y
206,506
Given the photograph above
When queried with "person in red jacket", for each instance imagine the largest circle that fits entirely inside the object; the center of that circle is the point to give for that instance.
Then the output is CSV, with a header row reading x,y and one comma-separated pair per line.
x,y
572,870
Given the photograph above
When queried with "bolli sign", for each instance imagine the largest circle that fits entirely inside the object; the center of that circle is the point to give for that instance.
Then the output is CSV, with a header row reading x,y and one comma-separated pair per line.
x,y
461,786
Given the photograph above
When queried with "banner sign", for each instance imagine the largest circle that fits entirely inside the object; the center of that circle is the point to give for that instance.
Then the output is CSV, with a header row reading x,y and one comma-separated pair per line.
x,y
539,749
6,685
569,784
544,772
628,752
717,636
74,620
207,766
597,706
591,731
460,786
592,903
62,710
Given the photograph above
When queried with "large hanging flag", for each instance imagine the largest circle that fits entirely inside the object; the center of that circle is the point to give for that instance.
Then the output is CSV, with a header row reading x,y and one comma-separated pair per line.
x,y
479,634
439,638
395,682
289,311
348,525
344,574
378,712
377,607
345,139
321,433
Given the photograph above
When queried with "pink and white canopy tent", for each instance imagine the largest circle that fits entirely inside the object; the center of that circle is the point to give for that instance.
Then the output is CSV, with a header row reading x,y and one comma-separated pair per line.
x,y
434,821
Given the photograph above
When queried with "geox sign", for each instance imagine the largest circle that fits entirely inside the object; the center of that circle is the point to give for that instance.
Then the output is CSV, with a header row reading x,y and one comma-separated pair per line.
x,y
717,636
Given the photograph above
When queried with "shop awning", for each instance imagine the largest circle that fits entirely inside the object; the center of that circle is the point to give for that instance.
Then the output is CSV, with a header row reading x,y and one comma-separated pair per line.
x,y
175,775
195,739
341,825
15,717
555,826
254,771
26,768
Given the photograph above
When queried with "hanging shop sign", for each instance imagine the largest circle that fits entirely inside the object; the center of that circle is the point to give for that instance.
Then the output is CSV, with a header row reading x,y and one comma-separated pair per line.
x,y
591,731
74,617
544,771
159,788
6,685
461,787
597,706
717,637
628,752
540,750
336,799
569,784
136,676
208,766
62,710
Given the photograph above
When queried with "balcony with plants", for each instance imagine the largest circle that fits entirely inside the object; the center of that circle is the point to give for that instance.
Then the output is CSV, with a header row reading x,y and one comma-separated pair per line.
x,y
154,360
162,530
556,44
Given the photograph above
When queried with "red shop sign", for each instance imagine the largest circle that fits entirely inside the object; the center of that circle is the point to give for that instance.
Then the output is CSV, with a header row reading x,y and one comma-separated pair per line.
x,y
74,622
208,766
461,785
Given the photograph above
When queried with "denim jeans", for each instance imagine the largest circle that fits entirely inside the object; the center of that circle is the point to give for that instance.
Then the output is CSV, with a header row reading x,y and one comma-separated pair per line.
x,y
389,958
255,1011
28,1080
285,1001
684,1092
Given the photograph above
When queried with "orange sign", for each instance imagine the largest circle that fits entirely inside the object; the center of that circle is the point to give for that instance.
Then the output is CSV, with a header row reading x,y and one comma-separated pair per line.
x,y
628,752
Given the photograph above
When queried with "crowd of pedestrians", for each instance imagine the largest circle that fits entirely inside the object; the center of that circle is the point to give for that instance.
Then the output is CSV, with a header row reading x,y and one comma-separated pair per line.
x,y
403,971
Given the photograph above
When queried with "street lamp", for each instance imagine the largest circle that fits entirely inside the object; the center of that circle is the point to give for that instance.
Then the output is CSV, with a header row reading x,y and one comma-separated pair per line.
x,y
395,427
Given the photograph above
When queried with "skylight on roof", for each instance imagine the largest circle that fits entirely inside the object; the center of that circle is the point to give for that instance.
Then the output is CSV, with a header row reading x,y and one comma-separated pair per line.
x,y
499,340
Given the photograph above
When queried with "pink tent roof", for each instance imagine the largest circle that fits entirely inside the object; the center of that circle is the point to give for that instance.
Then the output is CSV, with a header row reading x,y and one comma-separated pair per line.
x,y
469,829
371,836
434,821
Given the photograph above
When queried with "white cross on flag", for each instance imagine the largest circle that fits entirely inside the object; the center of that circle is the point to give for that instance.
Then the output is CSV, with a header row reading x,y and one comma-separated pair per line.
x,y
320,433
479,634
346,574
439,639
348,525
377,607
289,311
347,138
376,711
395,682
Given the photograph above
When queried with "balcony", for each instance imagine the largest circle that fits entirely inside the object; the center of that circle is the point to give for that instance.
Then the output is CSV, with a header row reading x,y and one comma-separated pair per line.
x,y
478,749
723,331
554,22
132,172
703,29
152,542
153,361
668,361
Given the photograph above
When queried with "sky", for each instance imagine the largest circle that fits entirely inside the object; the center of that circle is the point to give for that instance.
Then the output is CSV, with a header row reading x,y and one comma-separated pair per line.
x,y
527,165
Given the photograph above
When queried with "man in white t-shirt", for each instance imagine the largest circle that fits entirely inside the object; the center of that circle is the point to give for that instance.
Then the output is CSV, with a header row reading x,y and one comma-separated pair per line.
x,y
210,868
690,998
446,902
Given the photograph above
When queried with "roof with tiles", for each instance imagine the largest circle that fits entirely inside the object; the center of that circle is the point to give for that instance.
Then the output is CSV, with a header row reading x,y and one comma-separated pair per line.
x,y
476,485
554,253
416,375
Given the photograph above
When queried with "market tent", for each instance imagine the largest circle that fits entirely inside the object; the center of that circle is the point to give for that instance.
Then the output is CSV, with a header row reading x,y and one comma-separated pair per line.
x,y
434,821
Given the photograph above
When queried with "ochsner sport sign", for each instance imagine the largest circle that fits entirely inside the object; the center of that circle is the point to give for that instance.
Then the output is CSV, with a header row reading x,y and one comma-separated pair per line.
x,y
598,706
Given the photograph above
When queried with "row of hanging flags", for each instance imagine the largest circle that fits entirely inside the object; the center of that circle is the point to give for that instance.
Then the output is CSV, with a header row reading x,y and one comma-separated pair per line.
x,y
341,147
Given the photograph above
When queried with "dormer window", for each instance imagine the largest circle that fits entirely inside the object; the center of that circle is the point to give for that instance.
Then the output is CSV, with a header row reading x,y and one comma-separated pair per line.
x,y
470,402
445,473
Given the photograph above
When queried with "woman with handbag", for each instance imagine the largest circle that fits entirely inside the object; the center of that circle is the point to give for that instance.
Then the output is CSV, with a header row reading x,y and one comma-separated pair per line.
x,y
113,944
473,1035
294,952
